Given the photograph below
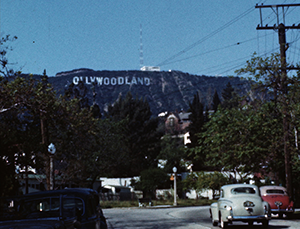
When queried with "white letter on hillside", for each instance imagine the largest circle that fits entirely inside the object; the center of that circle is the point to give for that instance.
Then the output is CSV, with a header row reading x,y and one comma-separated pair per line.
x,y
120,80
75,80
99,80
147,81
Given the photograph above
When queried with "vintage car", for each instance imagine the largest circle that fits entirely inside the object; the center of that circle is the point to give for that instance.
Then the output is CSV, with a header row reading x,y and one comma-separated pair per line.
x,y
240,202
66,208
278,199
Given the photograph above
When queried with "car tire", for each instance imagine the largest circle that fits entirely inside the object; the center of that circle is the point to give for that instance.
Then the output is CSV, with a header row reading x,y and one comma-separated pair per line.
x,y
223,224
289,215
265,223
214,223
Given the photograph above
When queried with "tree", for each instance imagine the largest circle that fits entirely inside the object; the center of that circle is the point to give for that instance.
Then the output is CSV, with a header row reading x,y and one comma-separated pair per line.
x,y
22,101
143,139
216,101
172,151
271,73
197,120
5,71
229,96
202,181
195,128
150,180
239,140
212,181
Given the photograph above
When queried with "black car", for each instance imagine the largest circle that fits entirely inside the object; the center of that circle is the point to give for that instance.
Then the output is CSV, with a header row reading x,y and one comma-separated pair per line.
x,y
66,208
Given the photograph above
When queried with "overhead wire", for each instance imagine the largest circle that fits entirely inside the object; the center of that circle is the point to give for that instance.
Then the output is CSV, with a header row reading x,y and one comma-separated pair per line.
x,y
166,61
235,65
169,60
232,67
214,50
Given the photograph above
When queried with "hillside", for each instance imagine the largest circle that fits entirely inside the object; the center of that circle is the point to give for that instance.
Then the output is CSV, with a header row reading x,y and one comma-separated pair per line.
x,y
165,91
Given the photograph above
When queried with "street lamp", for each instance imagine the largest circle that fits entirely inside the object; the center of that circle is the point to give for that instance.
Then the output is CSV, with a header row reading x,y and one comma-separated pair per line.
x,y
175,189
51,150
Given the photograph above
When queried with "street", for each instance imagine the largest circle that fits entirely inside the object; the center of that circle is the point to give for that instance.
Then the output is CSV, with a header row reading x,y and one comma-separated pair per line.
x,y
179,218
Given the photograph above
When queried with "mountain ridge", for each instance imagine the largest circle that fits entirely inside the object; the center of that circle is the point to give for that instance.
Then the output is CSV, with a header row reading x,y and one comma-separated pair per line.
x,y
164,91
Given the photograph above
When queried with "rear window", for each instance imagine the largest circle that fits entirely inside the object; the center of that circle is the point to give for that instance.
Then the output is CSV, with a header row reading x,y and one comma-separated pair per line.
x,y
274,191
242,190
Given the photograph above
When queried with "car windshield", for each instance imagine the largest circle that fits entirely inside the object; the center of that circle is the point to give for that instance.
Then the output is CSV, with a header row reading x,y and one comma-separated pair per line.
x,y
242,190
274,191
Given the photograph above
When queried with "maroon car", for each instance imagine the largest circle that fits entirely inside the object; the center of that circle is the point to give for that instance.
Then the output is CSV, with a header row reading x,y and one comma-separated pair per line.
x,y
278,199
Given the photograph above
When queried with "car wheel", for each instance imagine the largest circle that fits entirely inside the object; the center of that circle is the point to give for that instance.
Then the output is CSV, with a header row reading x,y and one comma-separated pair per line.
x,y
214,223
265,223
223,224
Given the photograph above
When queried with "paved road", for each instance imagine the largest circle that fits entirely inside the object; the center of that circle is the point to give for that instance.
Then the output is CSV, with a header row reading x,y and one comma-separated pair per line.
x,y
177,218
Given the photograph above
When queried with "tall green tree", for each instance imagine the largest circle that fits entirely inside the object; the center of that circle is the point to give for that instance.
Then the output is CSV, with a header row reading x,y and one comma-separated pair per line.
x,y
23,101
172,151
230,98
143,139
195,128
271,73
238,140
197,119
150,180
216,101
5,70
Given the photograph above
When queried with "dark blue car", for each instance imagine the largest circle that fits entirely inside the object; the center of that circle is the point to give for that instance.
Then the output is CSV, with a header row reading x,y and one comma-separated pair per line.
x,y
66,208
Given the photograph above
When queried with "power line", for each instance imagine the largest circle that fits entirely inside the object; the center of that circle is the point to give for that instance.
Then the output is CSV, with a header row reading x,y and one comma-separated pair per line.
x,y
235,66
214,50
206,37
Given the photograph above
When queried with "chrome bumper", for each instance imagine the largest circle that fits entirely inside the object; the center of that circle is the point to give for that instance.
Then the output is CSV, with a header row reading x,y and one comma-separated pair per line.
x,y
249,217
276,210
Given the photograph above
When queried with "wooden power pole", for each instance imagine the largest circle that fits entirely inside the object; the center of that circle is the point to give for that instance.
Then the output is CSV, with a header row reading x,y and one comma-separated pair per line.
x,y
281,28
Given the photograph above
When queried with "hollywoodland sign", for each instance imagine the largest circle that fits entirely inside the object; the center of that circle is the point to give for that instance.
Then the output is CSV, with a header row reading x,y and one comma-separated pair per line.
x,y
118,80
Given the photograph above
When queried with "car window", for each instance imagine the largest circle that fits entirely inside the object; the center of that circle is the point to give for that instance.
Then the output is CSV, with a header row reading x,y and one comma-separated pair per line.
x,y
243,190
73,206
40,207
274,191
50,207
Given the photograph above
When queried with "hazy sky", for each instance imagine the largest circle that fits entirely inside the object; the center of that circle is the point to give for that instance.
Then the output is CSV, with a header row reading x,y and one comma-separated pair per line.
x,y
203,37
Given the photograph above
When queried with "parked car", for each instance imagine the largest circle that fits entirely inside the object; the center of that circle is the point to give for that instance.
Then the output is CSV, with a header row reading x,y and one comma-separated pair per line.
x,y
279,200
67,208
240,202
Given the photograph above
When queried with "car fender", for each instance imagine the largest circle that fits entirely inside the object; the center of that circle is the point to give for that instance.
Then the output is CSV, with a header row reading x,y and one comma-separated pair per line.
x,y
267,208
214,212
225,209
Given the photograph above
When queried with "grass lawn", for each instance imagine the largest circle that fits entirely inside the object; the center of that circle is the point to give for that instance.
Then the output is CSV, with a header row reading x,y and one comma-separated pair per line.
x,y
135,203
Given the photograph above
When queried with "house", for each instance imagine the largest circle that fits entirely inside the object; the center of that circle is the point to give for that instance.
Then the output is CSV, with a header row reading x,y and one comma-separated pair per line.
x,y
177,123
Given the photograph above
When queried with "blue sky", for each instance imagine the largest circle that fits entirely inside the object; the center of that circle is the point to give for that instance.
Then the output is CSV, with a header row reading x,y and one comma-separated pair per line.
x,y
203,37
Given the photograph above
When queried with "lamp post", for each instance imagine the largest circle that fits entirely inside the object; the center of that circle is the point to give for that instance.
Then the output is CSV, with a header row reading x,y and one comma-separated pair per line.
x,y
51,150
175,188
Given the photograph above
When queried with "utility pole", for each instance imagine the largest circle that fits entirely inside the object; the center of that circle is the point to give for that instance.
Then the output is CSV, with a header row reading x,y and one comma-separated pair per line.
x,y
44,133
281,28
